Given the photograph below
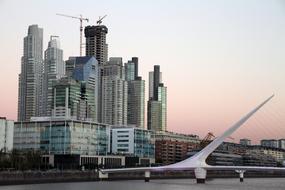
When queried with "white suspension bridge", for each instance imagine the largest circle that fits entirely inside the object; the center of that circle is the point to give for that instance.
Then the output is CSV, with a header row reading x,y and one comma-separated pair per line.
x,y
197,163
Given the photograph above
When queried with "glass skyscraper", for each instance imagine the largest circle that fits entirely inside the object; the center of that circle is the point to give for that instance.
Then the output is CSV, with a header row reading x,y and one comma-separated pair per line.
x,y
157,103
54,69
136,94
86,70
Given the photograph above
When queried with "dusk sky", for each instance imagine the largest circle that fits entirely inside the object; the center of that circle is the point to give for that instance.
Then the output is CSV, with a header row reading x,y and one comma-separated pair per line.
x,y
219,58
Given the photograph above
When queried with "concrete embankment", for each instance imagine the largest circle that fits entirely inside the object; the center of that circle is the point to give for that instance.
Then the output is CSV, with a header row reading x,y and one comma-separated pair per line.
x,y
32,177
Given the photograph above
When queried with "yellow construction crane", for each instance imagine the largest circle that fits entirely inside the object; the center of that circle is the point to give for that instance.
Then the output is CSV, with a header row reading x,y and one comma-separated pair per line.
x,y
100,20
81,19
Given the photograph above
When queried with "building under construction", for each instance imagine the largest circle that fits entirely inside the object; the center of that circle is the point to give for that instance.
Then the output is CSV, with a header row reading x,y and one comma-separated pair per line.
x,y
96,42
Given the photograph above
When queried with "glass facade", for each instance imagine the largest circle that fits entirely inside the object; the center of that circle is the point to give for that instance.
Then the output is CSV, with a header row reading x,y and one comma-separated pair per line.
x,y
85,70
136,92
144,143
130,69
162,98
6,134
74,99
157,103
62,137
133,141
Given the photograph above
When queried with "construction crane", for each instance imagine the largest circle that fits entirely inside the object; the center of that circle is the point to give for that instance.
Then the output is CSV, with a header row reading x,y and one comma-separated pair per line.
x,y
81,19
100,19
52,37
208,138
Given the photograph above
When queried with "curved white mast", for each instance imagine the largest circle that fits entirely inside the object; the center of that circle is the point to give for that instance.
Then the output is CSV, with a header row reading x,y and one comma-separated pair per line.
x,y
204,153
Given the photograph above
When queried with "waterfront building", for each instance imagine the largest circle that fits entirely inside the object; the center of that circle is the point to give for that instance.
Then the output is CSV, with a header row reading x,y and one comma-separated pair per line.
x,y
281,143
67,143
263,160
77,161
30,78
96,42
136,94
157,103
62,136
113,93
277,153
54,69
229,153
224,159
6,134
269,143
233,148
173,147
134,143
245,142
259,154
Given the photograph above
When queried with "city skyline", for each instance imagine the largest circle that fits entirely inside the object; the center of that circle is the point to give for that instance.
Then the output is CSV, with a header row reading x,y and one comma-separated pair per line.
x,y
238,67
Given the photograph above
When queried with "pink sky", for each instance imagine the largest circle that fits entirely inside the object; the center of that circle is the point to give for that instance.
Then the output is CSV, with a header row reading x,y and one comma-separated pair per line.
x,y
219,60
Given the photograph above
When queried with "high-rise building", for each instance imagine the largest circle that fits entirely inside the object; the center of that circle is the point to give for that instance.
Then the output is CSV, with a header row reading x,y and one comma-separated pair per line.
x,y
150,83
96,42
86,71
66,98
153,115
30,78
157,103
6,134
162,99
54,69
113,93
156,81
136,94
73,100
131,69
136,105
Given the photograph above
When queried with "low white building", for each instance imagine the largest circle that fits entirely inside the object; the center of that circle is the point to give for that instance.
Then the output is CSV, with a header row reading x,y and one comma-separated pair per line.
x,y
6,134
133,142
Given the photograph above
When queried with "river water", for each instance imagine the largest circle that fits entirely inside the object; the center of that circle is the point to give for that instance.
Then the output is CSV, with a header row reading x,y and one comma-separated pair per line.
x,y
175,184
